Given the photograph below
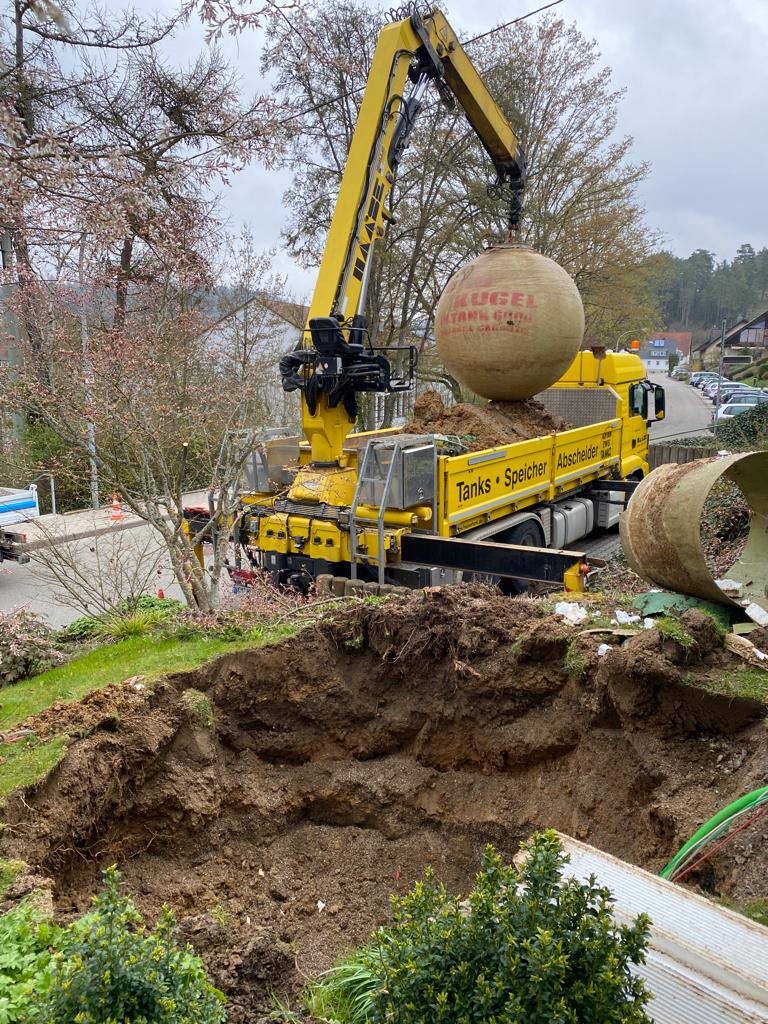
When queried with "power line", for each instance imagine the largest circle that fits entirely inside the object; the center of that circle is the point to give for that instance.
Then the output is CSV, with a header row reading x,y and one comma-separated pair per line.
x,y
514,21
355,92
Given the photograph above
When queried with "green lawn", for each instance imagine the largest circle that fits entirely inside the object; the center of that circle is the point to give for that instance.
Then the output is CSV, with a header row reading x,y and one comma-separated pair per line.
x,y
22,763
140,656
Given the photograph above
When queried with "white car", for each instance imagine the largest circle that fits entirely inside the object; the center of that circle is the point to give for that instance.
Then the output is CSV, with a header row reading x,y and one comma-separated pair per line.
x,y
727,412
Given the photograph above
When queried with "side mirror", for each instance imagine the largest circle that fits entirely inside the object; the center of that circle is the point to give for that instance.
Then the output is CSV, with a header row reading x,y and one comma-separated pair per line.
x,y
659,401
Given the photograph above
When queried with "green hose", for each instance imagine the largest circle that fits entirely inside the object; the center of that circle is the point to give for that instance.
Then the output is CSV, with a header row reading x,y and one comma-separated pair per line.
x,y
738,807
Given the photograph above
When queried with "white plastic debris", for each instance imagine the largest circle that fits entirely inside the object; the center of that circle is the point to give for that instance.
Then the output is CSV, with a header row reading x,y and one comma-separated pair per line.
x,y
648,622
320,906
623,618
757,614
137,686
603,649
730,587
761,655
571,612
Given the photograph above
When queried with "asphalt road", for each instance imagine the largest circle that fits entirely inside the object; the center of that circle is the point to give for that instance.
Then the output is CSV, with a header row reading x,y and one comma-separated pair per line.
x,y
110,565
688,412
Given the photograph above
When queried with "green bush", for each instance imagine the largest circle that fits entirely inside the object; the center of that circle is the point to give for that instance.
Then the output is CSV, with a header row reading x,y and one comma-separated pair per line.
x,y
747,431
526,947
26,646
110,969
84,628
166,607
26,940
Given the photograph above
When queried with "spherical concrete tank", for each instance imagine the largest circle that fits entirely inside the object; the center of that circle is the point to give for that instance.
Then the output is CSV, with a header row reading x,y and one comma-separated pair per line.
x,y
509,323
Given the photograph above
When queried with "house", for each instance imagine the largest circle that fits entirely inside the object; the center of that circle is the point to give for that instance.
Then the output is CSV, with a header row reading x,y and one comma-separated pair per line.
x,y
655,353
745,342
682,340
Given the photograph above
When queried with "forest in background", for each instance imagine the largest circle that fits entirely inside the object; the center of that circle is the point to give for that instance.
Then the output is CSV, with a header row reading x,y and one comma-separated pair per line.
x,y
695,293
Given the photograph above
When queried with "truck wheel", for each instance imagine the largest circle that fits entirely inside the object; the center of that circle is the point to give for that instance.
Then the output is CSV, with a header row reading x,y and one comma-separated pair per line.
x,y
528,535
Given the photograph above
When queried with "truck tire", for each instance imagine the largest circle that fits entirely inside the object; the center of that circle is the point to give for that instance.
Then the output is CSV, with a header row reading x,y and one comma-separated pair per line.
x,y
528,534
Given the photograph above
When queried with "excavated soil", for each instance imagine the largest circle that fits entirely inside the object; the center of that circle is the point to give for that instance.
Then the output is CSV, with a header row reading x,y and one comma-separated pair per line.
x,y
482,426
344,761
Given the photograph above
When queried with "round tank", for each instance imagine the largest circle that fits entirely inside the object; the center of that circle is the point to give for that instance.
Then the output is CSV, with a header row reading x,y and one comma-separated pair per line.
x,y
509,323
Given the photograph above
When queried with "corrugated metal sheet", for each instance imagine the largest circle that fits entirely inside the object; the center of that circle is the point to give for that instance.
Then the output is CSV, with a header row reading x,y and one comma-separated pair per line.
x,y
706,964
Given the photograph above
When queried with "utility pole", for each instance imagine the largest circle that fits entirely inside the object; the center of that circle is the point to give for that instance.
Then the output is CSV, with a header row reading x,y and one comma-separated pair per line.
x,y
720,371
87,378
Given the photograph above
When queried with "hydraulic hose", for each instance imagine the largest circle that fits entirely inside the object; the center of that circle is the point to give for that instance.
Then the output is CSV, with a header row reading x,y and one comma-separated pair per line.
x,y
712,829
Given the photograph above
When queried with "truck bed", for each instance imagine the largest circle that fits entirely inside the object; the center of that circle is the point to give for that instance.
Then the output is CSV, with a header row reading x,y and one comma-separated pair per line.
x,y
18,505
478,487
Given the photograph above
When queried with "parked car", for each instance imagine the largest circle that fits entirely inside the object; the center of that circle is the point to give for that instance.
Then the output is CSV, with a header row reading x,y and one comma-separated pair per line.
x,y
727,412
699,377
702,382
710,390
747,398
732,394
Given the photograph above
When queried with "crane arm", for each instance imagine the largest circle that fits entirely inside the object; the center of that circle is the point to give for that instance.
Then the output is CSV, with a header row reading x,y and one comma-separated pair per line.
x,y
409,54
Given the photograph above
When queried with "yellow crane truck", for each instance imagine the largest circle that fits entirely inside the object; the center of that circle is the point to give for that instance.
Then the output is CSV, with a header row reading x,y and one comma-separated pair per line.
x,y
384,507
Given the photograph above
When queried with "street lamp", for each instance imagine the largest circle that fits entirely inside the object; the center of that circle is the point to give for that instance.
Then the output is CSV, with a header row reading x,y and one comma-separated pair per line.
x,y
627,333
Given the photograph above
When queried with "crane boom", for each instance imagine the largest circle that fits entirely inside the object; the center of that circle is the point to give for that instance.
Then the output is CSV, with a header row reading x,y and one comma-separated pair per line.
x,y
333,366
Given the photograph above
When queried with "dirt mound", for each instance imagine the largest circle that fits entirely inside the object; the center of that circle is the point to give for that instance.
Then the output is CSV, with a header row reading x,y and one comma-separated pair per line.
x,y
344,761
111,704
482,426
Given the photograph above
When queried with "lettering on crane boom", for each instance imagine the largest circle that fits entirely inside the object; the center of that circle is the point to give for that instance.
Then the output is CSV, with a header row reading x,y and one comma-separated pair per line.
x,y
369,229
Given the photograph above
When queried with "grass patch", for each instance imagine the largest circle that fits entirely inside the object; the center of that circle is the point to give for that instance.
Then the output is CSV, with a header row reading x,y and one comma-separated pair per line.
x,y
575,662
25,763
672,629
756,910
741,682
198,707
9,871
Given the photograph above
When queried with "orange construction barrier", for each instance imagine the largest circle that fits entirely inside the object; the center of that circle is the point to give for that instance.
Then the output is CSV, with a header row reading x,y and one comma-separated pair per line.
x,y
117,512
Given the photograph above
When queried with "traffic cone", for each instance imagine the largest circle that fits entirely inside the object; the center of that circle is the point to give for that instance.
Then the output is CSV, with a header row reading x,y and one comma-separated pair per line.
x,y
117,514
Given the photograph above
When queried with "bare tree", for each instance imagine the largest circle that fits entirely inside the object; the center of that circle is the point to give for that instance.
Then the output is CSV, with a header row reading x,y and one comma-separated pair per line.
x,y
96,575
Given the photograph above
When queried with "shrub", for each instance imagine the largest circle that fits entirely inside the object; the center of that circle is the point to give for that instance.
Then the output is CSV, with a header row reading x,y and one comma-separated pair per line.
x,y
166,607
26,646
110,968
84,628
526,946
122,627
26,939
747,431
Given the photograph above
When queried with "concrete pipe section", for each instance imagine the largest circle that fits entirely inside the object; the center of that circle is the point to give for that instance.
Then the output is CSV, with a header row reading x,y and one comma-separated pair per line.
x,y
660,530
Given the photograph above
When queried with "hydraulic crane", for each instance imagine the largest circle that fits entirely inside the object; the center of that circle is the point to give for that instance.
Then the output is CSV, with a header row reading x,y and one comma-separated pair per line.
x,y
334,364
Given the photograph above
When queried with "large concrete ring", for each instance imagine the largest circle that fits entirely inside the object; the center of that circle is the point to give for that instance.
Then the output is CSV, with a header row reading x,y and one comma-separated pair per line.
x,y
660,530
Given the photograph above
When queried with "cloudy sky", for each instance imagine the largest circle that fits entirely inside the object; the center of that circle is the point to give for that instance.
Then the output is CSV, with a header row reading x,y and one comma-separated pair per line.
x,y
696,75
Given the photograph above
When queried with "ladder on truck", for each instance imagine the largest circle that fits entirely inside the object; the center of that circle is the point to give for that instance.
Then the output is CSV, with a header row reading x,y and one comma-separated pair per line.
x,y
379,471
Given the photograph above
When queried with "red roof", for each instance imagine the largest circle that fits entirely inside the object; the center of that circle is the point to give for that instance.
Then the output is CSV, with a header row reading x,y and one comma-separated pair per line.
x,y
681,338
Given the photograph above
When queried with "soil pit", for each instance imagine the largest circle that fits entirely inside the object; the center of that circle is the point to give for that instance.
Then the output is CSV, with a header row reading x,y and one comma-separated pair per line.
x,y
482,426
344,761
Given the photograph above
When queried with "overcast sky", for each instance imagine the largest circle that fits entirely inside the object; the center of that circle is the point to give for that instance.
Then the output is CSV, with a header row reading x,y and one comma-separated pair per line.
x,y
696,75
